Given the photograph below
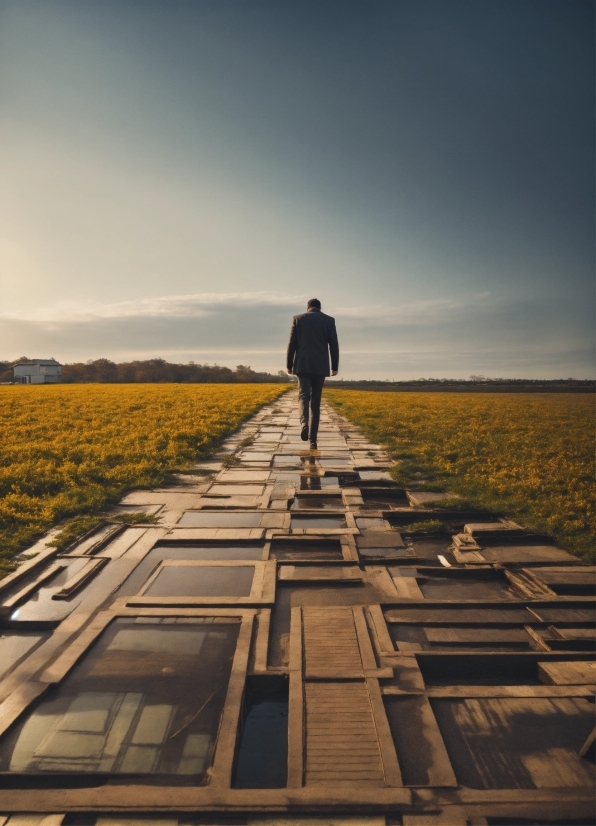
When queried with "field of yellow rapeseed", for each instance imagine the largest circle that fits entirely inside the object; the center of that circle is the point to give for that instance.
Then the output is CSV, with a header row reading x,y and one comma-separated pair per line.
x,y
70,449
530,457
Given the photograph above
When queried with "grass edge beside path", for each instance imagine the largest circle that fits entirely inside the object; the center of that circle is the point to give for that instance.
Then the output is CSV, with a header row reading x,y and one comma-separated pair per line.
x,y
70,451
527,457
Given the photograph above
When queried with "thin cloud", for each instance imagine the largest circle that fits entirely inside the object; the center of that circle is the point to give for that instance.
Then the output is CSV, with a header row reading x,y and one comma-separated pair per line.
x,y
203,304
176,306
417,312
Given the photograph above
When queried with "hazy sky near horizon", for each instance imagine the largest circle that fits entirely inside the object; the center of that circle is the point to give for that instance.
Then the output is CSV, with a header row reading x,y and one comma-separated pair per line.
x,y
178,177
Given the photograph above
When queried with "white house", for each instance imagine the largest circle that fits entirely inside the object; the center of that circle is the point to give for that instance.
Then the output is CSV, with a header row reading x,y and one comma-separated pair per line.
x,y
38,371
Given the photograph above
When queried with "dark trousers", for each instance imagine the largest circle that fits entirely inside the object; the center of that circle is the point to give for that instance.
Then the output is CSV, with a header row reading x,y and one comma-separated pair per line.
x,y
310,388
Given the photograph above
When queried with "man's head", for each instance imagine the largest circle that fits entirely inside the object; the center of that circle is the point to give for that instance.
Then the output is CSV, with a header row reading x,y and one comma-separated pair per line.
x,y
314,303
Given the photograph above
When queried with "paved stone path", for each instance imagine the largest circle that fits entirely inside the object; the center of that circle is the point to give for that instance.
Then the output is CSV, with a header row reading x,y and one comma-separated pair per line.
x,y
325,654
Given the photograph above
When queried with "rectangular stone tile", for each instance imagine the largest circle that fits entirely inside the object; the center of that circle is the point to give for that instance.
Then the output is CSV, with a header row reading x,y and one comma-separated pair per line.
x,y
243,476
236,490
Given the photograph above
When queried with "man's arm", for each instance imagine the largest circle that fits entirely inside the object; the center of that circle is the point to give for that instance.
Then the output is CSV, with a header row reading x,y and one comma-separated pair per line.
x,y
333,348
291,347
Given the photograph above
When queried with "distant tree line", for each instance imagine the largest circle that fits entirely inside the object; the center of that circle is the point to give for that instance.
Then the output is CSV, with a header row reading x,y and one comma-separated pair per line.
x,y
473,380
159,370
476,384
152,370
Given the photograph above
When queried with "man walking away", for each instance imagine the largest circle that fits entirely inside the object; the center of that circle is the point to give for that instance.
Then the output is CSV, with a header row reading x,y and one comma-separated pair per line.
x,y
312,339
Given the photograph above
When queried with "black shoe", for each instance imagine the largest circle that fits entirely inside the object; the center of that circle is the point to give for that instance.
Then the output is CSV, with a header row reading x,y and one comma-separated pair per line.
x,y
304,433
313,446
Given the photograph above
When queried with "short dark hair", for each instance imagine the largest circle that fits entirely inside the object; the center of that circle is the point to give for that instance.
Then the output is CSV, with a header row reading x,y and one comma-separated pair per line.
x,y
314,302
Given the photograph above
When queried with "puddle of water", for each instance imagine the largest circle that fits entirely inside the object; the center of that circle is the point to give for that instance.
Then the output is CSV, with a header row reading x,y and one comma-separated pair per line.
x,y
318,482
317,521
375,476
40,607
204,519
14,646
262,756
145,700
205,552
385,498
370,523
317,503
202,581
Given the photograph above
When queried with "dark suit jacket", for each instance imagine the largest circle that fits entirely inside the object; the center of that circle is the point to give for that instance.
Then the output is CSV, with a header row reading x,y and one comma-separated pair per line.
x,y
312,338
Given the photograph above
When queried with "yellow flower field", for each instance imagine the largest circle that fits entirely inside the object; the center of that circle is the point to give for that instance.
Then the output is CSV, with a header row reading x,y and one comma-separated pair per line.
x,y
528,456
70,449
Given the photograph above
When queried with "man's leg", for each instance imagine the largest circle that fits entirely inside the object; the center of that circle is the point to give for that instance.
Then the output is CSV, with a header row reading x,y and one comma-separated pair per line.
x,y
304,394
317,383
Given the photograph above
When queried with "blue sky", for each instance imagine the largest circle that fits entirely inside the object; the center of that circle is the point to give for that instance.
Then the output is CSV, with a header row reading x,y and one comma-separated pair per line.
x,y
179,177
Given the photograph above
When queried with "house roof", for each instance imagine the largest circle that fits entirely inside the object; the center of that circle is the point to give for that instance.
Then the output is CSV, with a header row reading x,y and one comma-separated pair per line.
x,y
42,362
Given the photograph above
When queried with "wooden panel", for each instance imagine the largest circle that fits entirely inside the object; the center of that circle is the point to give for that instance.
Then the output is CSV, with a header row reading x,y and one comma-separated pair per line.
x,y
567,673
571,575
529,585
342,744
296,714
448,816
407,588
468,557
526,553
564,613
331,643
501,615
574,633
420,747
381,636
262,624
467,636
380,539
205,534
466,691
516,743
221,771
314,573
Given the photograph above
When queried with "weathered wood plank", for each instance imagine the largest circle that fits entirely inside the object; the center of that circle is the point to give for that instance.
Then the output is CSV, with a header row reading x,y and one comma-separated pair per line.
x,y
567,673
476,635
330,642
333,740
